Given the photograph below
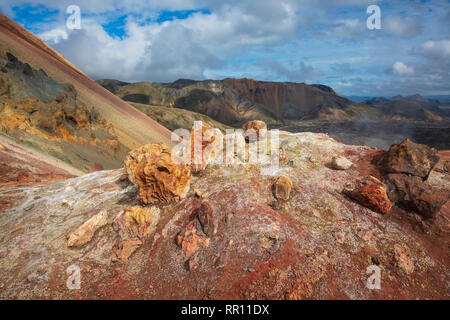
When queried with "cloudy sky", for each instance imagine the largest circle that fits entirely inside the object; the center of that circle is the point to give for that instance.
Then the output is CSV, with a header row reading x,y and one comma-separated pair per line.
x,y
311,41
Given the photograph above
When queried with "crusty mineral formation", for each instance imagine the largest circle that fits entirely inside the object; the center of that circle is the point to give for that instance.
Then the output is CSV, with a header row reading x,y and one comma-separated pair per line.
x,y
371,193
158,178
138,155
411,158
281,189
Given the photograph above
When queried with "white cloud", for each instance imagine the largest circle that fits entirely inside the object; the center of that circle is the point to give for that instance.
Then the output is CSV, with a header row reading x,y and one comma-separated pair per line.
x,y
173,49
435,49
401,69
347,28
402,27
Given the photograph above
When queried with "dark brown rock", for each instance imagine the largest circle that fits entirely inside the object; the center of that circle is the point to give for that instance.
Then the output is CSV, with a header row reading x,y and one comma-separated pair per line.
x,y
414,194
409,158
205,214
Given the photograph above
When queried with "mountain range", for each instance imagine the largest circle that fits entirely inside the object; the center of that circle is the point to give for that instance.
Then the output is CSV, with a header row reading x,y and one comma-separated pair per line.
x,y
234,101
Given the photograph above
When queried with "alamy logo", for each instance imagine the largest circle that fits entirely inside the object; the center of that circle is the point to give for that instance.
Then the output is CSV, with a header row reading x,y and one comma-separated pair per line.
x,y
74,280
263,147
374,20
74,20
374,281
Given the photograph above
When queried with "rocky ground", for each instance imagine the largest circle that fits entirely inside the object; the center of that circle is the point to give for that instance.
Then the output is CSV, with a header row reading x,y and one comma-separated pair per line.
x,y
235,235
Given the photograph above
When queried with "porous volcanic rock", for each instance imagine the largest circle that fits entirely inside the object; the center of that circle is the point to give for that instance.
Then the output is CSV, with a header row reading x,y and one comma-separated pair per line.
x,y
282,188
157,176
413,193
409,158
149,151
370,192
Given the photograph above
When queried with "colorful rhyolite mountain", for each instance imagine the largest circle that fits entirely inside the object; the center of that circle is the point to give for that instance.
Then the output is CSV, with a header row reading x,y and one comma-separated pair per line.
x,y
233,101
49,104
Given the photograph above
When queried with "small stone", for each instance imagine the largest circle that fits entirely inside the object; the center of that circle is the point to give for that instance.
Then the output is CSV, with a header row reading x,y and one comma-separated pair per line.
x,y
371,193
281,189
341,163
84,233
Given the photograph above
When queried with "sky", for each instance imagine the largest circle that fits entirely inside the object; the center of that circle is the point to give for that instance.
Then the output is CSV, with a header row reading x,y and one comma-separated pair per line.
x,y
310,41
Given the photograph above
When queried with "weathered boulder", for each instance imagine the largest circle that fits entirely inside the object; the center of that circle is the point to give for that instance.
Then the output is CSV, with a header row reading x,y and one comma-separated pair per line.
x,y
281,189
371,193
157,176
260,128
84,233
210,145
409,158
340,163
413,193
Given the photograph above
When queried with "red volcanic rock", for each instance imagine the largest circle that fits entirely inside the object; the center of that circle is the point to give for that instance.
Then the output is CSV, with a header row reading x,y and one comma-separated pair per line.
x,y
197,233
281,189
409,158
371,193
413,193
404,258
258,126
190,241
